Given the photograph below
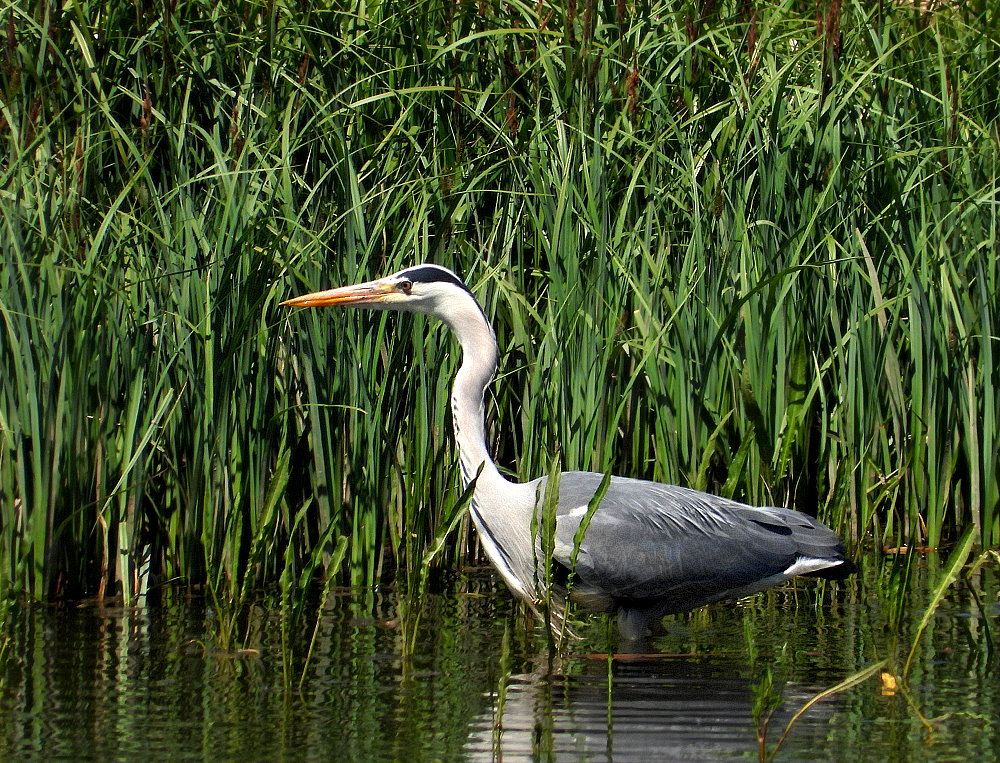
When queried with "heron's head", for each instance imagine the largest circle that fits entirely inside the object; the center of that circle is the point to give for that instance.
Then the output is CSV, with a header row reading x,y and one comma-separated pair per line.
x,y
427,289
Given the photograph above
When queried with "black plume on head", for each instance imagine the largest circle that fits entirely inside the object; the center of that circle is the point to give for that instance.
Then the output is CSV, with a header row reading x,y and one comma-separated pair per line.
x,y
432,274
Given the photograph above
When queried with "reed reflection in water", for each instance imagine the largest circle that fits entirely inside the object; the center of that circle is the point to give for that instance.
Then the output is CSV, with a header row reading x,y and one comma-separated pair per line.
x,y
104,683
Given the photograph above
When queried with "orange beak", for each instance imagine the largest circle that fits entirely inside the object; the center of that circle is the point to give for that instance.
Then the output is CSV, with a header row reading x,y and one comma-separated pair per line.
x,y
368,293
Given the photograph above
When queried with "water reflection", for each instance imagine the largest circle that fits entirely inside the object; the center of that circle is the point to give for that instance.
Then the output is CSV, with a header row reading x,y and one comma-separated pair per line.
x,y
633,709
652,710
90,682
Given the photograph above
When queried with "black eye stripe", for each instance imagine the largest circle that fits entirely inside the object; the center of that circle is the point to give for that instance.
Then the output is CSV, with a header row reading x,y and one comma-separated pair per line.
x,y
432,274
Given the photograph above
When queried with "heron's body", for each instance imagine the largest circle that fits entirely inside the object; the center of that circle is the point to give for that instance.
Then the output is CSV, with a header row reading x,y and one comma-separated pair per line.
x,y
648,549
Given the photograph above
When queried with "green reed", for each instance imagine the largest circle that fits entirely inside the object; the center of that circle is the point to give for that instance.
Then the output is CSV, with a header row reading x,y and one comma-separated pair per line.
x,y
750,248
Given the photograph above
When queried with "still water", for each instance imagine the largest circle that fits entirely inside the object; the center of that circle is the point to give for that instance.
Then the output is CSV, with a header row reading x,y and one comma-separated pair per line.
x,y
90,682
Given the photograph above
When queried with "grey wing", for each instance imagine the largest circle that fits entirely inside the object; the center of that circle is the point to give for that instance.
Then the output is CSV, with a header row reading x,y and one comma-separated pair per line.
x,y
652,541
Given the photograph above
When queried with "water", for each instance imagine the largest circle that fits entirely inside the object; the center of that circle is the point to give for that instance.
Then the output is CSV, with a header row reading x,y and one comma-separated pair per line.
x,y
89,682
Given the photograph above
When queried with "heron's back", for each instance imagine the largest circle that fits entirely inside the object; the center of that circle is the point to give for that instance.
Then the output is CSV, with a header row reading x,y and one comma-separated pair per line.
x,y
670,549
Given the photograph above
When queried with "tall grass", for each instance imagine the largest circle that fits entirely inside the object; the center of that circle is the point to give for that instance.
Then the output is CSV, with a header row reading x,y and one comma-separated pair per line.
x,y
747,247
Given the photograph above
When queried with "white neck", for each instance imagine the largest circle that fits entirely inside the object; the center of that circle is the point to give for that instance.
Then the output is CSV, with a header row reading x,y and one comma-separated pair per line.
x,y
479,363
501,510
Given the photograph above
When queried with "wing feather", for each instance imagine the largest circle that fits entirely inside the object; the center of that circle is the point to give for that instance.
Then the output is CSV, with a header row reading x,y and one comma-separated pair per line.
x,y
650,541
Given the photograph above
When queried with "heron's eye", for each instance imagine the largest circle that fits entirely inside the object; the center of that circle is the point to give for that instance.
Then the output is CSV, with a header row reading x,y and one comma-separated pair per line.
x,y
405,286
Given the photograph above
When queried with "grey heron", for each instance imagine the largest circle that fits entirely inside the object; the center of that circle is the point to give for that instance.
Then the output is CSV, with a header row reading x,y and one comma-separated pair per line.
x,y
650,549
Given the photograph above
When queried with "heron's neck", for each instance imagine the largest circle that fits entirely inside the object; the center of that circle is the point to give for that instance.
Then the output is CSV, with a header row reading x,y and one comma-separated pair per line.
x,y
479,363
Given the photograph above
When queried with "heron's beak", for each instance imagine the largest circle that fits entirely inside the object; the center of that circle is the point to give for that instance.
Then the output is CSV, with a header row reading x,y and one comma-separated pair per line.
x,y
368,293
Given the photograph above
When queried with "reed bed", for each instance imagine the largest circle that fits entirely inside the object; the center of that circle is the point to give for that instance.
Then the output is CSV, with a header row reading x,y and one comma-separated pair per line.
x,y
747,247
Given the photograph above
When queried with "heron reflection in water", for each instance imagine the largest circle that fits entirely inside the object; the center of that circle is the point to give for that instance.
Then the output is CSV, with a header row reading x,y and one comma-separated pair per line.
x,y
649,549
